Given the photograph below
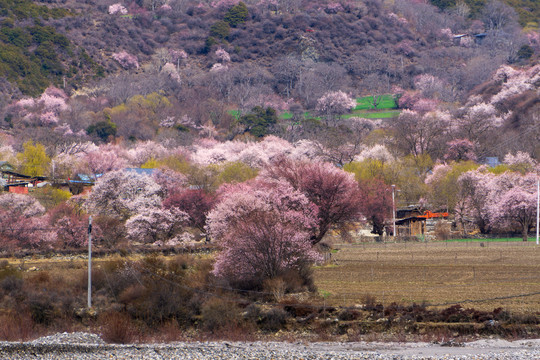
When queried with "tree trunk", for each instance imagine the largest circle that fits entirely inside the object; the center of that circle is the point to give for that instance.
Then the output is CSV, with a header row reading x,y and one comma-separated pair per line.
x,y
525,232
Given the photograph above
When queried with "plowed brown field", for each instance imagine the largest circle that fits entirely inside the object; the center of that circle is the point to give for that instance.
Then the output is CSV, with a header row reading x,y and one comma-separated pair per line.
x,y
484,276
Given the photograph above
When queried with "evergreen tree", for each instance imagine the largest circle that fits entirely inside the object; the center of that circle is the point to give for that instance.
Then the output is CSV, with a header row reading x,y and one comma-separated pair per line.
x,y
236,15
259,120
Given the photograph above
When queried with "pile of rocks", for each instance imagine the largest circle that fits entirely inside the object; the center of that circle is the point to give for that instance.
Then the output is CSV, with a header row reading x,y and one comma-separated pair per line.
x,y
90,346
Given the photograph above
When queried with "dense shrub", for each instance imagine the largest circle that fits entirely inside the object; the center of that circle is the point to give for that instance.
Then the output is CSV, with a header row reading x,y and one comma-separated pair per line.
x,y
217,314
16,327
11,284
41,308
273,319
8,271
117,328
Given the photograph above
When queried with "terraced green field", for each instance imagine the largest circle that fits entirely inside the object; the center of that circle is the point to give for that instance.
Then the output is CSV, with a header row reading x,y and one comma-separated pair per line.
x,y
386,108
385,102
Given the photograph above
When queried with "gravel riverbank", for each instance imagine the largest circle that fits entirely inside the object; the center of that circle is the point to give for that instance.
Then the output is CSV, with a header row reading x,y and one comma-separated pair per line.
x,y
89,346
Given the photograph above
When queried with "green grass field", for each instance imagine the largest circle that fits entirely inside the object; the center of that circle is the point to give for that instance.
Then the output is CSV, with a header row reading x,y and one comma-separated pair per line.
x,y
366,103
287,115
492,240
364,109
372,114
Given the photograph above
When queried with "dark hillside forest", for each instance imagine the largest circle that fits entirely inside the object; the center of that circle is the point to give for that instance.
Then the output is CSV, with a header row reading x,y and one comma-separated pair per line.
x,y
372,41
527,10
290,52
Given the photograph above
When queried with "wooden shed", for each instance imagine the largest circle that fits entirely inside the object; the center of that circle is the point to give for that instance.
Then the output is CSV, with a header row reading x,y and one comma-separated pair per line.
x,y
411,226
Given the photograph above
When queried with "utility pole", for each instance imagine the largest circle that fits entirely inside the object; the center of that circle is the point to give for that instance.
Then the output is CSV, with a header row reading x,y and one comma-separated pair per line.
x,y
90,262
537,208
394,209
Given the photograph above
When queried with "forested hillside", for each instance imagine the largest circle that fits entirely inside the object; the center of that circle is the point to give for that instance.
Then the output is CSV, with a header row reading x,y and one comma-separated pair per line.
x,y
396,92
527,10
264,130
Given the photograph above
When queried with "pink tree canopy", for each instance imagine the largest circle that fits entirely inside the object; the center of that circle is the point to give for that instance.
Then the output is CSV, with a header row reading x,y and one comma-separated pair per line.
x,y
22,223
126,60
102,161
332,190
515,205
195,202
264,229
460,149
505,202
474,189
122,194
156,224
335,103
21,205
376,203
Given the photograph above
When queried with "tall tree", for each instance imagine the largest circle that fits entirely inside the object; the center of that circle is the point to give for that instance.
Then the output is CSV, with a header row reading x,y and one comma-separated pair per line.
x,y
376,203
34,159
236,15
264,229
515,206
332,190
122,194
333,104
197,203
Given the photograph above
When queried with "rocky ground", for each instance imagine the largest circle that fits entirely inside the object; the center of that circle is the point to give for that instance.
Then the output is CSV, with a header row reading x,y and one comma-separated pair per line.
x,y
90,346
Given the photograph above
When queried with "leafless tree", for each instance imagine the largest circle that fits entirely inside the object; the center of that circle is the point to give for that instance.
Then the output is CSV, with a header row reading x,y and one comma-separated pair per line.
x,y
286,72
497,16
417,135
320,79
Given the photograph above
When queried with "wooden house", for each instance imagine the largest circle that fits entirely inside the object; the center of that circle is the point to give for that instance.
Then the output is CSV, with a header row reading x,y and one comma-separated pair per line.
x,y
18,183
412,221
81,184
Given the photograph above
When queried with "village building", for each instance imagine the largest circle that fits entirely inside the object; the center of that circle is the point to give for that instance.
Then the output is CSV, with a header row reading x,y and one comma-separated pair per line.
x,y
15,182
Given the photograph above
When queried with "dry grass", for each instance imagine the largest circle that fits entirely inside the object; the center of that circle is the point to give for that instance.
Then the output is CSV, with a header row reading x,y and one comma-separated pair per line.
x,y
435,273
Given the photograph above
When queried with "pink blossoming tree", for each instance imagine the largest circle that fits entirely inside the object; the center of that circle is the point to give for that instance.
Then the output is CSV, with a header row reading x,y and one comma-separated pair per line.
x,y
460,150
102,161
264,229
156,224
376,203
22,223
122,194
126,60
72,230
515,206
222,55
196,203
504,202
170,181
333,104
117,9
334,191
